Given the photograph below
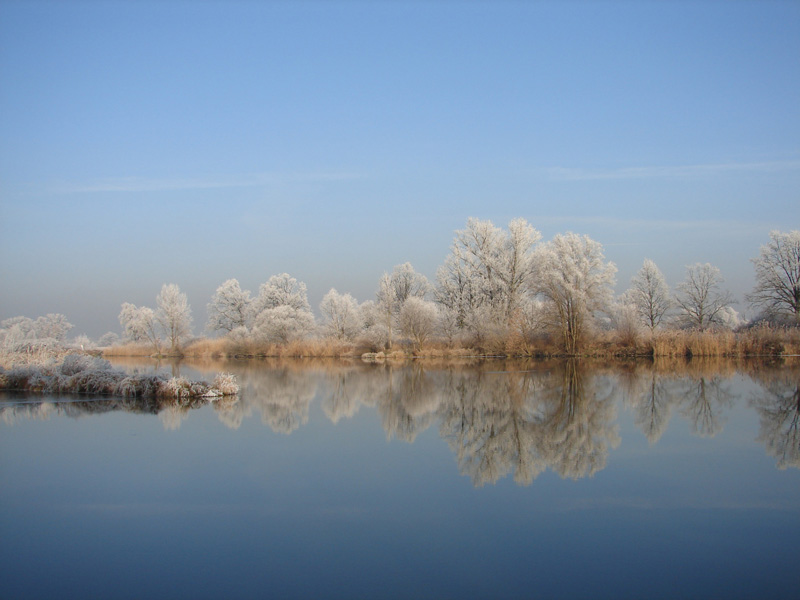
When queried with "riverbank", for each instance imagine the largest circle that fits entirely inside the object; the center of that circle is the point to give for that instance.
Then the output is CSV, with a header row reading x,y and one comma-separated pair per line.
x,y
756,341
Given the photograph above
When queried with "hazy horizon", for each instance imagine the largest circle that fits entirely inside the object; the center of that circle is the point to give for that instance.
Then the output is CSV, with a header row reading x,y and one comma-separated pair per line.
x,y
152,143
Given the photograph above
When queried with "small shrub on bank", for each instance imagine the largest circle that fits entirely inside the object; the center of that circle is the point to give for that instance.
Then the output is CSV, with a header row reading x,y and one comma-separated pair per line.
x,y
87,375
226,384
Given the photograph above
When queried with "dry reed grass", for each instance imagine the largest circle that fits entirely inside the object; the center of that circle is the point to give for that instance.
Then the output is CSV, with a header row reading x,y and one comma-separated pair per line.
x,y
310,348
129,349
207,347
41,356
763,340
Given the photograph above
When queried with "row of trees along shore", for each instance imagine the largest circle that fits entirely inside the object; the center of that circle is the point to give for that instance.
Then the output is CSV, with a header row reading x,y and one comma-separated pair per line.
x,y
498,292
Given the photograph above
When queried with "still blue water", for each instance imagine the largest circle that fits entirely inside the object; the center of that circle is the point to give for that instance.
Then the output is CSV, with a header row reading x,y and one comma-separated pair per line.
x,y
335,480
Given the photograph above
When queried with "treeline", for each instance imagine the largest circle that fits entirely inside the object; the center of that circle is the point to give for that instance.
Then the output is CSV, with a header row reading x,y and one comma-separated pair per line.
x,y
499,291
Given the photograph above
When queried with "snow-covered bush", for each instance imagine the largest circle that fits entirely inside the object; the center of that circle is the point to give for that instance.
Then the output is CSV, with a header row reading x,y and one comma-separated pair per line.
x,y
87,375
140,385
226,384
75,363
25,341
177,387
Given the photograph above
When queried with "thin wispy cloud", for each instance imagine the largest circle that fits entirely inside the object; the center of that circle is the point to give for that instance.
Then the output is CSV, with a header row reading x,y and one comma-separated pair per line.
x,y
666,172
143,184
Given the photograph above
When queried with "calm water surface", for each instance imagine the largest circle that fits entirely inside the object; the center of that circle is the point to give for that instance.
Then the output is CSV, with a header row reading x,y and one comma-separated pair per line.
x,y
353,480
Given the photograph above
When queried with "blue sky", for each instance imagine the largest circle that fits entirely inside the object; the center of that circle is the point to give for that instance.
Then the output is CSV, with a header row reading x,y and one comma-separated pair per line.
x,y
153,142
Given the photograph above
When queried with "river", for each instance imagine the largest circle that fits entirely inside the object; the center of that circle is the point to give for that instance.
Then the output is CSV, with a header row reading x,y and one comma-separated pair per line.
x,y
469,479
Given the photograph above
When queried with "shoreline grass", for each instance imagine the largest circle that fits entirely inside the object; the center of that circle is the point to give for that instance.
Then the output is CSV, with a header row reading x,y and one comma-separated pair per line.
x,y
764,341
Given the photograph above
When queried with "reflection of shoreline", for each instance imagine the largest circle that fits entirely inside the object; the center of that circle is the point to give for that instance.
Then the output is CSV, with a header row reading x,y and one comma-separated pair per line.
x,y
170,410
506,417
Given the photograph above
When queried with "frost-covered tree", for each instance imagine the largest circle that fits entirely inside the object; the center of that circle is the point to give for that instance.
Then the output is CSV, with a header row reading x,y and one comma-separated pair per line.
x,y
108,339
418,319
514,263
576,282
456,290
374,321
229,307
174,315
487,266
341,318
385,308
393,290
407,283
281,312
281,290
649,293
18,332
53,326
777,288
729,318
139,324
478,246
700,298
283,324
530,322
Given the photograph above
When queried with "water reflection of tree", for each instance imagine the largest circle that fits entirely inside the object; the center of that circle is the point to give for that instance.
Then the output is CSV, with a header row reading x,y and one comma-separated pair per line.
x,y
579,425
408,401
652,397
342,398
778,408
699,389
487,423
705,400
281,393
510,417
528,421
